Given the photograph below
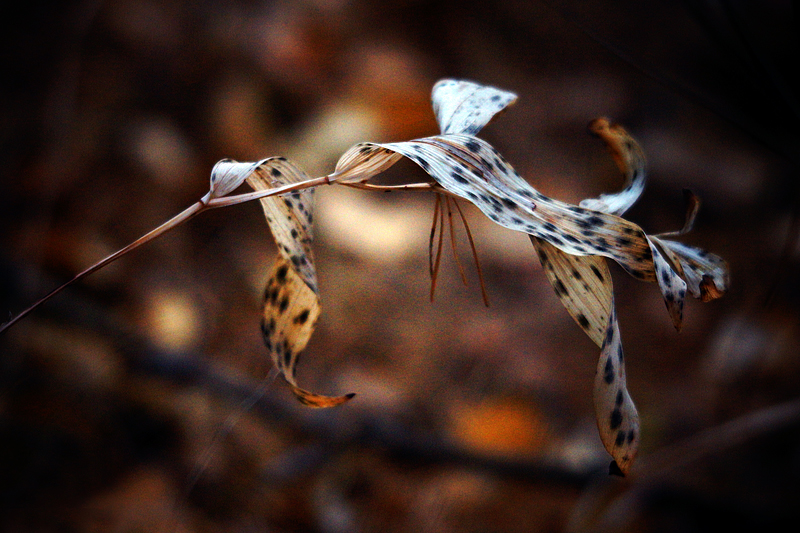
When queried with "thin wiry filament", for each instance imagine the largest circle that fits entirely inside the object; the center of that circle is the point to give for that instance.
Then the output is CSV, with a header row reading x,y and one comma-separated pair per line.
x,y
474,254
435,256
453,240
435,260
433,234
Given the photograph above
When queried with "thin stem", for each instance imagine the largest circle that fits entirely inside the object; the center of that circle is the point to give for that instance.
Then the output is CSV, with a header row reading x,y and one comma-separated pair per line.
x,y
474,255
172,223
207,202
436,206
387,188
256,195
453,241
438,219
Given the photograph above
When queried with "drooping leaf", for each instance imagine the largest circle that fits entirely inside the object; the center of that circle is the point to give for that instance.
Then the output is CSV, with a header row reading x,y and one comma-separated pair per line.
x,y
617,418
291,299
291,310
585,287
572,241
673,287
582,283
290,216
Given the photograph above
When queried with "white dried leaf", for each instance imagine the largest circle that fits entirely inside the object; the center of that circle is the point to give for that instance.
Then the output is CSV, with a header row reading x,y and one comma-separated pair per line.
x,y
462,106
227,175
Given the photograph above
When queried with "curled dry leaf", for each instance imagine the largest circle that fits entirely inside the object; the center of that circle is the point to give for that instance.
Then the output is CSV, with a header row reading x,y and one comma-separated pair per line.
x,y
227,175
291,299
617,418
572,241
631,161
584,285
463,107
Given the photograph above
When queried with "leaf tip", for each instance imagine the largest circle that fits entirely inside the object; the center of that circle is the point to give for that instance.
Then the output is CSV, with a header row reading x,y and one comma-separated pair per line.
x,y
599,125
709,290
317,400
615,470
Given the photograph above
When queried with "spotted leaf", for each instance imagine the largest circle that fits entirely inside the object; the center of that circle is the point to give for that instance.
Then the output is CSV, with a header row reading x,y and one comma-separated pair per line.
x,y
631,161
617,418
585,287
291,299
471,168
572,241
290,216
227,175
465,107
582,283
673,287
706,274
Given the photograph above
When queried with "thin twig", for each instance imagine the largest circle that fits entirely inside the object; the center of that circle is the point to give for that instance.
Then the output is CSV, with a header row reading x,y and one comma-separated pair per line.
x,y
426,187
172,223
207,202
226,201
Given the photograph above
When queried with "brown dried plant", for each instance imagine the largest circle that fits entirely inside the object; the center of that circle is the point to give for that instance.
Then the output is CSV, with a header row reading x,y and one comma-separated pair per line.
x,y
572,241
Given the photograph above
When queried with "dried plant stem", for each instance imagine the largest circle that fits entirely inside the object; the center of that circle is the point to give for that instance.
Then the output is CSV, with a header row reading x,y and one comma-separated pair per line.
x,y
207,202
474,254
453,240
172,223
426,187
210,202
226,201
434,258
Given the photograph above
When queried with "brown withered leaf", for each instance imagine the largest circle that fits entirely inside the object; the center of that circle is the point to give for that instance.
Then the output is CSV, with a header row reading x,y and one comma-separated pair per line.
x,y
585,287
582,283
291,298
572,241
615,412
631,161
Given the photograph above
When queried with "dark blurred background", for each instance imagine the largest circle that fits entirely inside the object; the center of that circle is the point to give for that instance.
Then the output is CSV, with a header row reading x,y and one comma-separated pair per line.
x,y
127,402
